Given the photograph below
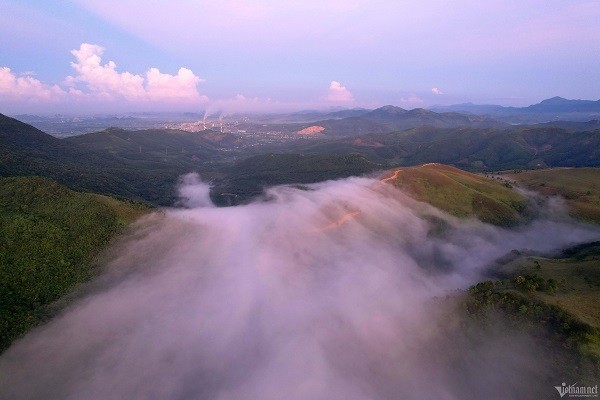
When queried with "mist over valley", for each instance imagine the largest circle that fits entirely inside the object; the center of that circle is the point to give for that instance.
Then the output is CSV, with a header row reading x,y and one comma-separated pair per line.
x,y
299,200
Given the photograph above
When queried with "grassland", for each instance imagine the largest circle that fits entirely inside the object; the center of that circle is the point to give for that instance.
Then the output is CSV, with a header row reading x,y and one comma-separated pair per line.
x,y
49,236
462,194
579,186
559,295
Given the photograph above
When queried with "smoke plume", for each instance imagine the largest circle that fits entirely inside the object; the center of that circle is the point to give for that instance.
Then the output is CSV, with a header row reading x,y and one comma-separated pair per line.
x,y
324,292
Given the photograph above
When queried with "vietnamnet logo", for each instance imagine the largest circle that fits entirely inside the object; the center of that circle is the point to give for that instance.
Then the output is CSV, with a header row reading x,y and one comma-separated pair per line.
x,y
577,391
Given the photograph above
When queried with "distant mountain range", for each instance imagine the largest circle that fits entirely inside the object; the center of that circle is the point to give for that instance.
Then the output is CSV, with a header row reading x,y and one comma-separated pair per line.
x,y
391,118
553,109
146,164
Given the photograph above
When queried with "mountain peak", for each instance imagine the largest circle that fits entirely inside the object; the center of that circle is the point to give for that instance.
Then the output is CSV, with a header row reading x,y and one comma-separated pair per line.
x,y
554,100
390,110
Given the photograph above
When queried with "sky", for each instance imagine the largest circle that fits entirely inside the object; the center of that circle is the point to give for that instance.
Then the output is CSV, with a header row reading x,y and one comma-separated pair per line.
x,y
98,56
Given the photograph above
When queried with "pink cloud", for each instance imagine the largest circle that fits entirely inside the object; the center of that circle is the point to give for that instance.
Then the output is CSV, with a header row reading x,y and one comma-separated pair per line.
x,y
338,93
106,81
103,80
97,85
25,87
436,91
181,86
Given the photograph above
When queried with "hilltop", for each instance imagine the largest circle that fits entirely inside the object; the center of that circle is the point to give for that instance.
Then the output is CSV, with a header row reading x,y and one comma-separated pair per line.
x,y
461,193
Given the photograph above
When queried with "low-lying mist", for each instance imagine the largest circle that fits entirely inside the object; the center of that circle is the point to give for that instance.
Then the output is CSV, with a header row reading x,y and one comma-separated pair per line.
x,y
325,292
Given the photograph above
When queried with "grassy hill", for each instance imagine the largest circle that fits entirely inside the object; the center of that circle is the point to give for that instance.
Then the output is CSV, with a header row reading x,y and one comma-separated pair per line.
x,y
560,295
579,186
461,193
49,236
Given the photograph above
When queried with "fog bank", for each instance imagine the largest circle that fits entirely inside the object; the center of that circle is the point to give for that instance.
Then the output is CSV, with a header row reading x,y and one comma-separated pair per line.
x,y
323,293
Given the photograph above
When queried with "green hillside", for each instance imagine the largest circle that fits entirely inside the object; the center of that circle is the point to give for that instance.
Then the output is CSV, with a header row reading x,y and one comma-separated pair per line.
x,y
49,236
475,149
154,148
579,186
560,295
462,193
108,162
247,178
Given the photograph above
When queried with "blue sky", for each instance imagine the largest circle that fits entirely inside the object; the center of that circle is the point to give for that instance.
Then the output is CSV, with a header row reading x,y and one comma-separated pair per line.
x,y
233,55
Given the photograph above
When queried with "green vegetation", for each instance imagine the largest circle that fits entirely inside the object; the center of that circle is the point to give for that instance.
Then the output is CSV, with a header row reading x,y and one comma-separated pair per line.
x,y
462,194
145,165
579,186
562,295
475,149
49,236
136,165
247,178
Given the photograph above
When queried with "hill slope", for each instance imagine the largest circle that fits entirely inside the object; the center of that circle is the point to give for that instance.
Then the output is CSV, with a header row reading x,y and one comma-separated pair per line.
x,y
108,162
247,178
48,238
471,148
579,186
560,295
461,193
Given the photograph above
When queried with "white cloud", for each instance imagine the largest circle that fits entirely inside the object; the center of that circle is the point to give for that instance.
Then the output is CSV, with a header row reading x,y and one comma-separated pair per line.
x,y
103,80
96,86
338,93
436,91
106,81
25,88
180,86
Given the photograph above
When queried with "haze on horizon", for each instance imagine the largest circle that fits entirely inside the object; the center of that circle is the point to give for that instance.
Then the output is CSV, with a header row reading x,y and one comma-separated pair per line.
x,y
86,56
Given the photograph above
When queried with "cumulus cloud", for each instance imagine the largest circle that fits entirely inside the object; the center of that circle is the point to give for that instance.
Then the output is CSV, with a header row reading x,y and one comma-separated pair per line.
x,y
25,88
165,86
339,93
97,84
324,292
436,91
106,81
103,80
